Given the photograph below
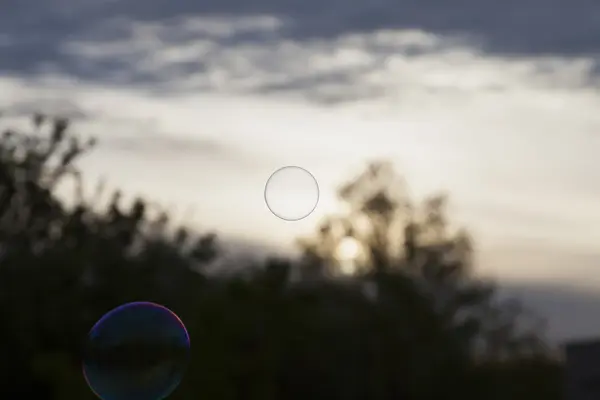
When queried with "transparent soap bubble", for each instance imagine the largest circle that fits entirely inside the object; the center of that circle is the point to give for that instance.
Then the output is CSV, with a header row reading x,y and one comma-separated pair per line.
x,y
292,193
138,351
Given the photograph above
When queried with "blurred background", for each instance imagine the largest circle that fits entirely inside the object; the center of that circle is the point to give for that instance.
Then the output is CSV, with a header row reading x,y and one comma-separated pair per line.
x,y
454,247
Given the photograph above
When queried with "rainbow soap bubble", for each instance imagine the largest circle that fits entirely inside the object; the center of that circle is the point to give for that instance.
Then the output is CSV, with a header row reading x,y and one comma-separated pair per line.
x,y
137,351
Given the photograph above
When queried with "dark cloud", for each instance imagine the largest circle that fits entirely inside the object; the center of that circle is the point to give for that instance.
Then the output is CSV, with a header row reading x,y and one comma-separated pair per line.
x,y
33,33
524,26
571,313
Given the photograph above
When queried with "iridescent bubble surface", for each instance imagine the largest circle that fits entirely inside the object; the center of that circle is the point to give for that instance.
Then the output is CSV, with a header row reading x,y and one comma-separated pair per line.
x,y
138,351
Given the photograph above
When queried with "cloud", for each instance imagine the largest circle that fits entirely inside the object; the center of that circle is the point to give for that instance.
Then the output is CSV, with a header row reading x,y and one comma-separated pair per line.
x,y
328,51
384,63
570,311
524,27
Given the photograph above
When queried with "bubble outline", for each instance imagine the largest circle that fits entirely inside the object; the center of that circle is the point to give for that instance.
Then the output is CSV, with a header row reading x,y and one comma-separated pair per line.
x,y
314,180
120,308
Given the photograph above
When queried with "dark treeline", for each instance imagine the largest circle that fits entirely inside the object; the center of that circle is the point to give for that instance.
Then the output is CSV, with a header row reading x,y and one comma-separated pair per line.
x,y
134,354
412,322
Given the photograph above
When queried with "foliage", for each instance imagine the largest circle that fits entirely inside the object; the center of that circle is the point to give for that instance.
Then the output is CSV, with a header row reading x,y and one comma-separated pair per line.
x,y
397,330
415,243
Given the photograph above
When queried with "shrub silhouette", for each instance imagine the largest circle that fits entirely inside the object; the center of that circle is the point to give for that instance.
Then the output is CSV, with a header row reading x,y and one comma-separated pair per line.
x,y
412,323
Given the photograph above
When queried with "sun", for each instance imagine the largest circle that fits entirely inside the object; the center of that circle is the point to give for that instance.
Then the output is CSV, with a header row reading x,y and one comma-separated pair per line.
x,y
348,249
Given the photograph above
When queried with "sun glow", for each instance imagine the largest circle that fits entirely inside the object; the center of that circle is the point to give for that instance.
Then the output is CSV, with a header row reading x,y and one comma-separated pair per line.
x,y
348,249
347,253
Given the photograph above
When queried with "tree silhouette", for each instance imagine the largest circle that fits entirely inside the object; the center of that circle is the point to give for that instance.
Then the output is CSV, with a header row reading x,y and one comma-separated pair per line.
x,y
62,267
412,322
423,269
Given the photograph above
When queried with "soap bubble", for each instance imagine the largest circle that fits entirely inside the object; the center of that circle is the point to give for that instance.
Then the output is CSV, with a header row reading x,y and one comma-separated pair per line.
x,y
292,193
138,351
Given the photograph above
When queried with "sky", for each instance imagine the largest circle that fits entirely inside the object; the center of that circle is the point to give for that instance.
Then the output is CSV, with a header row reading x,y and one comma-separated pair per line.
x,y
195,104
